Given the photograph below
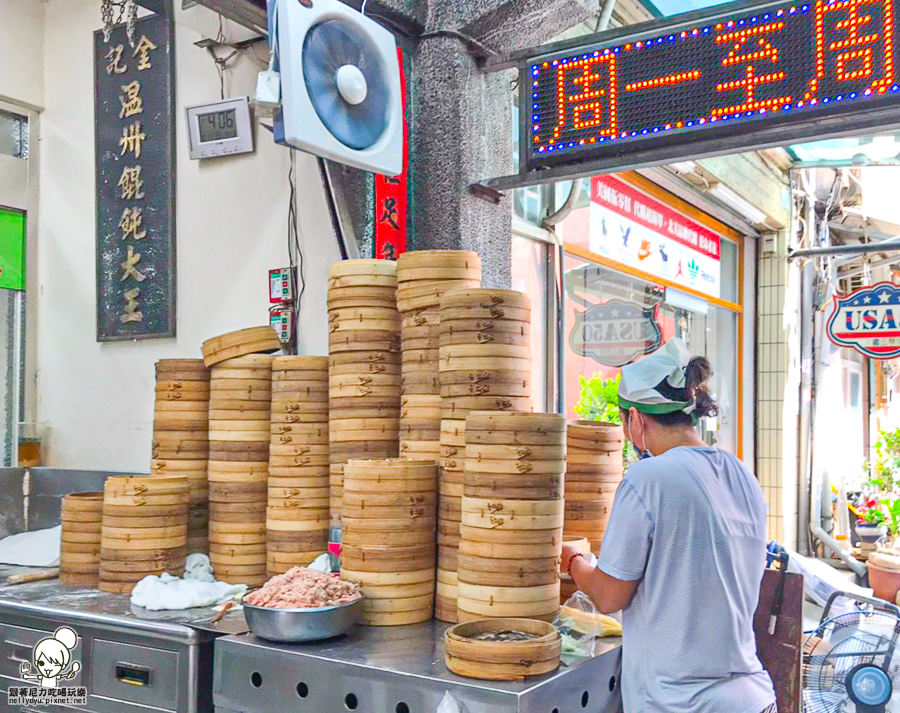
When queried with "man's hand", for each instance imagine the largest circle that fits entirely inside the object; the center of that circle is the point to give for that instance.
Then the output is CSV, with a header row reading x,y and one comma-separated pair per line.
x,y
569,551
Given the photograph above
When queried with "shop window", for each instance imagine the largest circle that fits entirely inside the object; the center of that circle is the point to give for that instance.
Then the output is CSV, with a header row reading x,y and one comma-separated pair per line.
x,y
530,274
13,135
629,318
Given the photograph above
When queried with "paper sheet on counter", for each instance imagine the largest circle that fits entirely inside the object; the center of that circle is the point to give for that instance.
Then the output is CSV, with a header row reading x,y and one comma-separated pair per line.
x,y
38,548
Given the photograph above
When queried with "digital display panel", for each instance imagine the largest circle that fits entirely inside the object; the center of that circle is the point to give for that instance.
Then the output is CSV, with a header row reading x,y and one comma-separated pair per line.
x,y
217,126
766,66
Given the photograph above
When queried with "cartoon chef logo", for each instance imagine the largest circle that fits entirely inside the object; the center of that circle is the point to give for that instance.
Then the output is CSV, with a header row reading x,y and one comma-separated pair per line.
x,y
51,657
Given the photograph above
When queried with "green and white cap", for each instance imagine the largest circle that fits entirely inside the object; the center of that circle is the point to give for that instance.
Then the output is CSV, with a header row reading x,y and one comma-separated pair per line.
x,y
637,388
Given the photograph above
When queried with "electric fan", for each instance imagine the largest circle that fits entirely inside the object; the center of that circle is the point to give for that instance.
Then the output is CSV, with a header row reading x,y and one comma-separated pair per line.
x,y
340,84
851,663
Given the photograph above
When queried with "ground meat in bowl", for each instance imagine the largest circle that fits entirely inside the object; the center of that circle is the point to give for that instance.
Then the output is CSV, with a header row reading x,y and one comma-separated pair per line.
x,y
302,588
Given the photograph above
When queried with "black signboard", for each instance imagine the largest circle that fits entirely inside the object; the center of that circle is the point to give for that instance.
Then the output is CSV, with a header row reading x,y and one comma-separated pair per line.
x,y
135,152
737,77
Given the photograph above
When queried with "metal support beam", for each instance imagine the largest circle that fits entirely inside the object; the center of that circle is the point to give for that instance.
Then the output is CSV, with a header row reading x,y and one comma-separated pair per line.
x,y
845,250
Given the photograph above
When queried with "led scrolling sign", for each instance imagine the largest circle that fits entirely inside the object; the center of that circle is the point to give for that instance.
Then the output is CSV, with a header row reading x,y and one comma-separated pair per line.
x,y
768,65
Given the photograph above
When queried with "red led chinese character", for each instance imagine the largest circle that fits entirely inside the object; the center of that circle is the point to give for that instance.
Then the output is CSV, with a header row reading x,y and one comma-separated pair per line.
x,y
596,78
853,44
750,46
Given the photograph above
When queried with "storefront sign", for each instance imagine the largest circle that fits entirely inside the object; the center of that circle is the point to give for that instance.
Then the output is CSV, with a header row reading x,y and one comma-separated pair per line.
x,y
134,114
616,332
716,80
390,196
632,228
868,320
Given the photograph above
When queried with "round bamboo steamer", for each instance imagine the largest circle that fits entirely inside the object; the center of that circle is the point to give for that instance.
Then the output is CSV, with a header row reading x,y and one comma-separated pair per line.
x,y
237,344
91,549
391,469
510,298
299,363
410,537
290,424
296,525
389,499
493,377
388,525
595,430
143,535
549,537
501,481
175,466
148,501
423,485
436,273
509,390
219,491
364,359
238,572
241,538
469,325
243,449
182,409
508,579
87,503
239,508
486,363
235,517
285,414
512,520
299,380
420,449
478,451
142,567
248,527
374,554
515,467
362,294
595,459
428,258
482,313
340,426
474,339
451,352
508,551
365,391
353,408
244,436
385,579
308,512
515,438
421,402
173,512
397,565
358,368
513,508
236,550
294,553
414,512
310,539
545,493
182,369
287,493
509,595
247,560
298,480
365,267
534,609
395,618
144,485
469,656
403,592
451,490
534,422
363,335
292,559
144,542
279,461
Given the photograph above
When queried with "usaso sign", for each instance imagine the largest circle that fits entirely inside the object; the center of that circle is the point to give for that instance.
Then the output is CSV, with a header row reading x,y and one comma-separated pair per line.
x,y
868,320
616,332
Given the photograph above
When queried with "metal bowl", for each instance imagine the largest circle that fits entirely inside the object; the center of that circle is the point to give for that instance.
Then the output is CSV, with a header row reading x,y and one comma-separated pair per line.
x,y
293,625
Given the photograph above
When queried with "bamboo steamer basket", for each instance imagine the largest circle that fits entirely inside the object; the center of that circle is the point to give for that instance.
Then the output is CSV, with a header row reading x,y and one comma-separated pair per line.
x,y
468,656
595,468
79,566
237,344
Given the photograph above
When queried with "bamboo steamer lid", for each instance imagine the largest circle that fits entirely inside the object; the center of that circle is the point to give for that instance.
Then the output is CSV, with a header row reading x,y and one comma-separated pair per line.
x,y
228,346
599,431
77,503
145,485
430,258
362,267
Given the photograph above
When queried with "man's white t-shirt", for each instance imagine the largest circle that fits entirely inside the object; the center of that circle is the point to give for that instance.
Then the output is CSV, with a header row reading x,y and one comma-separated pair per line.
x,y
690,524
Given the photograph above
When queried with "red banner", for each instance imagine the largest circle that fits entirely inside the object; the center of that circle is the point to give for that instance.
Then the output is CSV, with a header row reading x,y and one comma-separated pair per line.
x,y
391,194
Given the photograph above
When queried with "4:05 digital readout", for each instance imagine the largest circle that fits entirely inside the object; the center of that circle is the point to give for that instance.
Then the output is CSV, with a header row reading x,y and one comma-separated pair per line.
x,y
762,65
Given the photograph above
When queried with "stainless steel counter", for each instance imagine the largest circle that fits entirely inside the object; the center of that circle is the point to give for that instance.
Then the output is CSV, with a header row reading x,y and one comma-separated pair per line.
x,y
133,660
394,670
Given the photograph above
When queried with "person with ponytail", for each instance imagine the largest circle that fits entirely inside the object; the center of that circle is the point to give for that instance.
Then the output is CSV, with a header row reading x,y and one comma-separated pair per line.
x,y
684,551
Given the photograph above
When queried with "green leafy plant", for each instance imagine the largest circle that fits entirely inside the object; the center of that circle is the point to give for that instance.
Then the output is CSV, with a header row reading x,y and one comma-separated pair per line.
x,y
599,399
883,486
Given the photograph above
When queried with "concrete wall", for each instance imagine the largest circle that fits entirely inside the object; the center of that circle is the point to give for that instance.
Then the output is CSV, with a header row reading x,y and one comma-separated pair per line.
x,y
97,399
22,51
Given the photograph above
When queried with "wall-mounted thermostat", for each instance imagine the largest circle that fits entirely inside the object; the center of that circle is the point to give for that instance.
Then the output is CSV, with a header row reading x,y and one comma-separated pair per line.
x,y
220,129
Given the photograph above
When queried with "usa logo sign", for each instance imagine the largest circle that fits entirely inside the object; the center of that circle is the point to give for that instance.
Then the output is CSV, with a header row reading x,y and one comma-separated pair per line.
x,y
868,320
615,332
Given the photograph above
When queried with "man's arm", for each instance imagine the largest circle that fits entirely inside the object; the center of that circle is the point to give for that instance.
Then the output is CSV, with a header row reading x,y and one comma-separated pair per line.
x,y
608,593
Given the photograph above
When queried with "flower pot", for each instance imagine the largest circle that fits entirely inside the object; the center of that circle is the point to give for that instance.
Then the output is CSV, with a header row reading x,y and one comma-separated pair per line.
x,y
870,533
884,582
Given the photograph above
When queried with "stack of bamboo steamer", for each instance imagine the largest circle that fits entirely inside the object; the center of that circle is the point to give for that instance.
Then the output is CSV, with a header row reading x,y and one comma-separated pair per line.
x,y
239,433
144,529
364,366
79,556
181,436
594,468
298,505
388,542
512,516
422,277
485,364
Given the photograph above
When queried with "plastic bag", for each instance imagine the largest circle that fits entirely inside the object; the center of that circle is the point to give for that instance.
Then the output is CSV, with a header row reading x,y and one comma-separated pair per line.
x,y
582,627
449,704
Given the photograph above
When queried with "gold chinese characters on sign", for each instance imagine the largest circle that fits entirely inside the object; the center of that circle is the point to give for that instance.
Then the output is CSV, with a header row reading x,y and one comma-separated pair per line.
x,y
131,184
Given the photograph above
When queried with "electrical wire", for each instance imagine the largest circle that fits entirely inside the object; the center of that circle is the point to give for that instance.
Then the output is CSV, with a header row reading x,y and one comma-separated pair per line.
x,y
295,250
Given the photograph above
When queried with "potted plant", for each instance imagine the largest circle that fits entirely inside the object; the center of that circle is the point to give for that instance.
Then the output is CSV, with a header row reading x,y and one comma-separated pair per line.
x,y
870,524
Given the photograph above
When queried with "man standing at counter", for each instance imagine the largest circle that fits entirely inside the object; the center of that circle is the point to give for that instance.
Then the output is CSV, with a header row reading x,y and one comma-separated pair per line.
x,y
684,551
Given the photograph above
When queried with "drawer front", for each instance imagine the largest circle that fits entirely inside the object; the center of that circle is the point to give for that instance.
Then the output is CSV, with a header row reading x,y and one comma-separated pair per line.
x,y
136,674
18,647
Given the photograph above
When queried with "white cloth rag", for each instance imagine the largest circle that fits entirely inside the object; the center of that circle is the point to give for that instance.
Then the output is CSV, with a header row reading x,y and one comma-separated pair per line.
x,y
166,592
38,548
197,566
